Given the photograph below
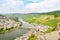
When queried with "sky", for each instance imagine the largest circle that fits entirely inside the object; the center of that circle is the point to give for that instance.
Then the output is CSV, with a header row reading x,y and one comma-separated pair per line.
x,y
28,6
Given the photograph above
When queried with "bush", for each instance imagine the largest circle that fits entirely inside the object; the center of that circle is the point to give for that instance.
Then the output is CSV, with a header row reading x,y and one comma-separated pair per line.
x,y
1,29
7,28
32,37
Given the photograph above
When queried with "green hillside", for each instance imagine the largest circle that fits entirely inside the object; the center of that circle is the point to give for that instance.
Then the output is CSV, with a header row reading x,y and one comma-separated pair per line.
x,y
50,19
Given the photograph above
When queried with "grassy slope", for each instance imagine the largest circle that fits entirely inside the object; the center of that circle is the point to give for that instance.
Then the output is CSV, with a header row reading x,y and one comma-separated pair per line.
x,y
40,18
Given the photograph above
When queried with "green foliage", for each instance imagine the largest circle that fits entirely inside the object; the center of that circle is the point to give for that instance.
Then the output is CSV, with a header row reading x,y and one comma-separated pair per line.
x,y
12,28
52,23
20,24
1,29
15,18
32,37
8,28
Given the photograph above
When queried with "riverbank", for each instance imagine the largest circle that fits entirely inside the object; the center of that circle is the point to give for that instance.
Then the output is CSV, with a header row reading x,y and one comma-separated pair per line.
x,y
25,36
8,30
13,34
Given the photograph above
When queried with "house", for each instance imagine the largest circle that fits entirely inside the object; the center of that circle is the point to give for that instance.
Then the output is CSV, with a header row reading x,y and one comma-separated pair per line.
x,y
8,23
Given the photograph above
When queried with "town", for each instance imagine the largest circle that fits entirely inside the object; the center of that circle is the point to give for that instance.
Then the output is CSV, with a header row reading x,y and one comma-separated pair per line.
x,y
6,23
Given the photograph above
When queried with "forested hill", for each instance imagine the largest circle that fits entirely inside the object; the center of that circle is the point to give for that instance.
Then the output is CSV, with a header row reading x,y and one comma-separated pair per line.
x,y
55,13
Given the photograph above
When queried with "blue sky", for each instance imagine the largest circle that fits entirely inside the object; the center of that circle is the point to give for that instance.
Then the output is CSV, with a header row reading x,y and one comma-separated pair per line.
x,y
28,6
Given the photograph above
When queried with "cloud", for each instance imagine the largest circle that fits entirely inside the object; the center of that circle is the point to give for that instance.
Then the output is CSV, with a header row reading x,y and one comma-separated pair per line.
x,y
18,6
11,6
46,5
34,1
12,3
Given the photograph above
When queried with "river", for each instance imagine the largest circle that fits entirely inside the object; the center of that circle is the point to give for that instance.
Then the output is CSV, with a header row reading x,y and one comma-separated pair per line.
x,y
17,33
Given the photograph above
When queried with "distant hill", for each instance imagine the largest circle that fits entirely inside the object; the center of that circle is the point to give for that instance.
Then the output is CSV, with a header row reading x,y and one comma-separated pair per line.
x,y
56,13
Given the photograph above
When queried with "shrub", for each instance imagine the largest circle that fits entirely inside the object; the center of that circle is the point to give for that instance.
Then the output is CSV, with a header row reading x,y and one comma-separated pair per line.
x,y
32,37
